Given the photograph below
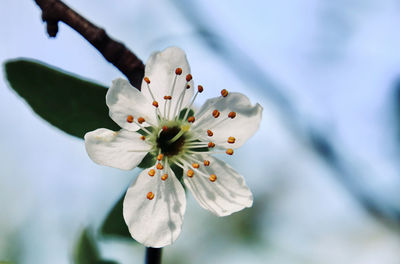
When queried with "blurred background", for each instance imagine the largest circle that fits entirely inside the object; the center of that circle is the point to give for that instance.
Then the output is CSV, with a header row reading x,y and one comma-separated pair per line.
x,y
324,166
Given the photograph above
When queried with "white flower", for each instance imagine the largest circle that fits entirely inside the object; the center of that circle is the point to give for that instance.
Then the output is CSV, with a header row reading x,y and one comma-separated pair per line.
x,y
155,203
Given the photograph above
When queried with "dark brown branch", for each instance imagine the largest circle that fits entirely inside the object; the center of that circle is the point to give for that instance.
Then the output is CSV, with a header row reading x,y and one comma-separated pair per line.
x,y
153,255
113,51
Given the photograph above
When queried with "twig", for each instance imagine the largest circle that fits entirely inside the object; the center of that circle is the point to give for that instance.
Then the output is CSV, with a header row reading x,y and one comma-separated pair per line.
x,y
153,255
113,51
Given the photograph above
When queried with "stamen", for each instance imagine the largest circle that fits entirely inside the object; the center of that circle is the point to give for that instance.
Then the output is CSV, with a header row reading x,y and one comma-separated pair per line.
x,y
150,195
213,177
211,145
152,172
191,119
159,166
206,163
160,156
229,151
232,115
224,93
141,120
164,177
188,86
143,138
200,89
189,77
164,128
210,133
167,97
147,80
196,165
178,71
129,119
190,173
184,129
215,113
231,140
155,103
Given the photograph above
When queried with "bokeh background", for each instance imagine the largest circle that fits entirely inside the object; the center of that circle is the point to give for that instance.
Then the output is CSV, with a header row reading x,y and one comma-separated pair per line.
x,y
324,166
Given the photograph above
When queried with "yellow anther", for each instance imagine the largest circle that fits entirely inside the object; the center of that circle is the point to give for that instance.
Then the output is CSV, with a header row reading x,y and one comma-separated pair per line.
x,y
152,172
231,140
190,173
215,113
146,79
160,156
129,119
178,71
191,119
189,77
206,163
232,115
155,103
200,88
229,151
224,93
196,165
159,166
210,133
164,177
143,138
141,120
213,177
150,195
211,145
167,97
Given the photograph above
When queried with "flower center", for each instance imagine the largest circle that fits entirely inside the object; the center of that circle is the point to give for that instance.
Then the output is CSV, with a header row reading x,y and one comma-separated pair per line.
x,y
168,146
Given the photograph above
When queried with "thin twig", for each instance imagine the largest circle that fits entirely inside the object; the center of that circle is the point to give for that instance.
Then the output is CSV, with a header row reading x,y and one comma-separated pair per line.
x,y
113,51
153,255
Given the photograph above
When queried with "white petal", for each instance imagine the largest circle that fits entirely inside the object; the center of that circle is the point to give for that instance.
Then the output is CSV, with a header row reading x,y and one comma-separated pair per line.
x,y
228,194
124,100
123,149
242,127
157,222
160,69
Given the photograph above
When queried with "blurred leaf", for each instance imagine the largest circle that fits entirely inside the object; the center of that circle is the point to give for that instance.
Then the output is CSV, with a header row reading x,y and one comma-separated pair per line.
x,y
67,102
86,251
148,161
114,224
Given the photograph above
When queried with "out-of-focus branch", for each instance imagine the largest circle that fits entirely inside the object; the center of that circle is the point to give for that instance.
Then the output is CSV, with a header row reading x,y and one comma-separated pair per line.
x,y
113,51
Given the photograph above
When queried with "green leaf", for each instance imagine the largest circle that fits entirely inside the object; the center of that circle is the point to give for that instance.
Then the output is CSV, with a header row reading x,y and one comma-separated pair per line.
x,y
148,161
183,112
67,102
114,224
87,252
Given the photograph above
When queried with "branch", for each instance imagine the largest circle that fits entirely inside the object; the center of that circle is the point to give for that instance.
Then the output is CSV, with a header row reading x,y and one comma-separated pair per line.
x,y
113,51
153,255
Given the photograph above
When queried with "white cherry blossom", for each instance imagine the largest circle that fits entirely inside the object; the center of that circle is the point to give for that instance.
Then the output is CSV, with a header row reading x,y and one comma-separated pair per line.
x,y
159,121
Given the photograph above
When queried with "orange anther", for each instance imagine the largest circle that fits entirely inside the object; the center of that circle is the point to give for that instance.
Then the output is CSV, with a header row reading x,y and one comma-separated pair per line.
x,y
231,140
167,97
129,119
187,86
190,173
210,133
152,172
178,71
196,165
224,93
150,195
229,151
191,119
143,138
159,166
215,113
155,103
146,79
206,163
140,120
164,128
160,156
200,88
189,77
213,177
211,145
164,177
232,115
